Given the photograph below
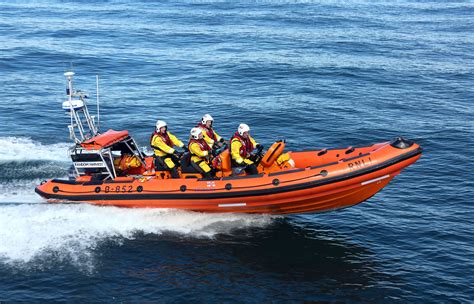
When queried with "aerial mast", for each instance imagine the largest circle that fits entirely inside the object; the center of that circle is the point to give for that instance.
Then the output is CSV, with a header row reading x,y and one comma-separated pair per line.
x,y
82,126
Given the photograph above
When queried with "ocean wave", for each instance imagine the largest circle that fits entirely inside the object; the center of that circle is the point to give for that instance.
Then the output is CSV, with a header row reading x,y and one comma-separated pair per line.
x,y
72,232
32,170
20,191
25,149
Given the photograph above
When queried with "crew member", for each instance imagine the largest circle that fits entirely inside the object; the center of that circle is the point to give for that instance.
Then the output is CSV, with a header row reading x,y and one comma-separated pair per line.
x,y
200,153
210,136
241,145
162,143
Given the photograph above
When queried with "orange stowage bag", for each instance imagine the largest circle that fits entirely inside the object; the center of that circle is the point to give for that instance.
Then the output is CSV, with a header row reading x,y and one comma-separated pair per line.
x,y
126,162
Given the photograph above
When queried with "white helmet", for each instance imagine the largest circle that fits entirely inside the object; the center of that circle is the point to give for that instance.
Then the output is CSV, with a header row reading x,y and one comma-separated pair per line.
x,y
195,133
206,118
160,124
243,128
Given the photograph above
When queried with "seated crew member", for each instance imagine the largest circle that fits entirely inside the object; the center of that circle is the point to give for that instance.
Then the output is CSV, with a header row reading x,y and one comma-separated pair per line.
x,y
162,143
241,145
200,153
210,136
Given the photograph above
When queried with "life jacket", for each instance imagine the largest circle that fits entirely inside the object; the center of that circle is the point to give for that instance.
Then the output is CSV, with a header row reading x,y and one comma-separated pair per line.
x,y
165,137
202,144
209,131
246,147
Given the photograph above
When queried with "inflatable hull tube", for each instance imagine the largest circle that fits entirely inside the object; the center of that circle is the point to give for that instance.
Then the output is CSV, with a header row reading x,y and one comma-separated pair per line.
x,y
323,180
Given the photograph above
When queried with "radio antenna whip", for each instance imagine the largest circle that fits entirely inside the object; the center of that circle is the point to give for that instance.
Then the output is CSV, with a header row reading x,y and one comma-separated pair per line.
x,y
98,107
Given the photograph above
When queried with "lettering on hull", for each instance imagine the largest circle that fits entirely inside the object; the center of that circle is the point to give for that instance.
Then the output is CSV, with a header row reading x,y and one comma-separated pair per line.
x,y
361,163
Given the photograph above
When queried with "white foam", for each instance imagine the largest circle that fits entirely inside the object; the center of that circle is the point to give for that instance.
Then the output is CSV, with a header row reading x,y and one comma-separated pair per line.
x,y
26,149
72,232
32,230
20,191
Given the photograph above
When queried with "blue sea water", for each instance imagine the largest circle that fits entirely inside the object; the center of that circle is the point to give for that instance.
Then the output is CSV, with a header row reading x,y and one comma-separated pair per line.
x,y
320,74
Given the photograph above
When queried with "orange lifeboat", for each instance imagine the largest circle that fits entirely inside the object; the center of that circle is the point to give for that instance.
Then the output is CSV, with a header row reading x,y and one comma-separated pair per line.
x,y
292,182
109,169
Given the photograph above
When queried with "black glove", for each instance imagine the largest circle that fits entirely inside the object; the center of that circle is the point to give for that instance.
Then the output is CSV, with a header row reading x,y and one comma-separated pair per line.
x,y
259,147
222,140
185,149
178,154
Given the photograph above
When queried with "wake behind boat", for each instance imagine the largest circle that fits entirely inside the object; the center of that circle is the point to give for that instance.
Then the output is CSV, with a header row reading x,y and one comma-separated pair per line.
x,y
110,169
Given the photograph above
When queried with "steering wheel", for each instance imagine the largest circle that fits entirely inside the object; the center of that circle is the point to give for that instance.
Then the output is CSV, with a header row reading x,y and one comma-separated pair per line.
x,y
256,156
218,151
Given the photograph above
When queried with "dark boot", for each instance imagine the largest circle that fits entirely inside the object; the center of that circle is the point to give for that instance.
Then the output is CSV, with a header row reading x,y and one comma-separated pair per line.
x,y
206,175
251,169
174,173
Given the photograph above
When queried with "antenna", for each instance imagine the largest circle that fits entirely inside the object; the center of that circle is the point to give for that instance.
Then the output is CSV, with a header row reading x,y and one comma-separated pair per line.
x,y
76,107
97,97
